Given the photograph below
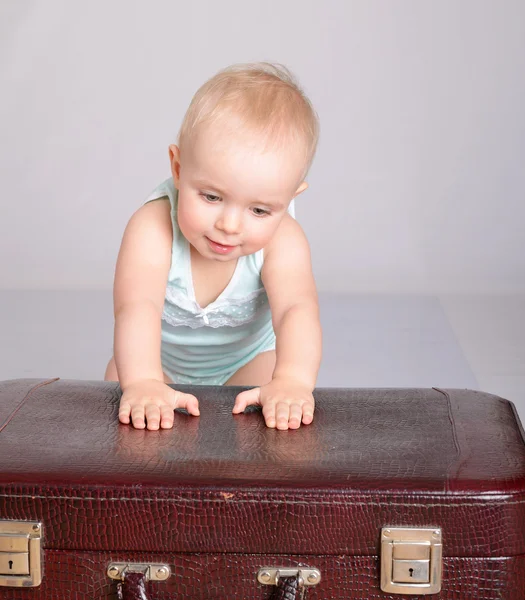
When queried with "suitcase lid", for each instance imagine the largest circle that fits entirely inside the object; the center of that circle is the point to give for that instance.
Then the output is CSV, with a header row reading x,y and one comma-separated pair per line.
x,y
448,458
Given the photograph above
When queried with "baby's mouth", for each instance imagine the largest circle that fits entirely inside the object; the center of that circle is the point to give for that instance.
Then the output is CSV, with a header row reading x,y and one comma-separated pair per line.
x,y
220,248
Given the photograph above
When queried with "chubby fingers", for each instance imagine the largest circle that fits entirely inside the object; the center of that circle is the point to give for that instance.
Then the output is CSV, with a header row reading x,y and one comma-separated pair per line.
x,y
296,415
308,413
246,398
152,406
137,416
283,415
277,414
166,417
152,412
124,412
187,401
287,415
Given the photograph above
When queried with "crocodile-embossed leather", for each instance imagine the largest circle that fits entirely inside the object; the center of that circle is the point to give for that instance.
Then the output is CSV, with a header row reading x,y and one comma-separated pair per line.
x,y
288,589
82,576
133,587
219,496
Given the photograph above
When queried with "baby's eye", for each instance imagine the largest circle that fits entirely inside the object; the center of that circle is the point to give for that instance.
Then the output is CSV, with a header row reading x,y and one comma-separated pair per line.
x,y
211,197
260,212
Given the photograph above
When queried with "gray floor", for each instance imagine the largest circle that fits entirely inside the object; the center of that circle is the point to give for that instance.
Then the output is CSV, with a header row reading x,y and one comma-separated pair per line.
x,y
475,342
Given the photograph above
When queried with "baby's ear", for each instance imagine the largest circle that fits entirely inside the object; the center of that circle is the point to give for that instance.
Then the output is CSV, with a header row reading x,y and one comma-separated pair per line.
x,y
301,188
174,153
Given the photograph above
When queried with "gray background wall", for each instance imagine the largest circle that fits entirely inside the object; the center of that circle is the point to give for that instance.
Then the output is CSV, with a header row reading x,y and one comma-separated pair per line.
x,y
419,181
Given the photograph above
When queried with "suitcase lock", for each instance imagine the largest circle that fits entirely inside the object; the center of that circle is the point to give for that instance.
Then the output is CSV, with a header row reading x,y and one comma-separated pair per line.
x,y
20,554
411,560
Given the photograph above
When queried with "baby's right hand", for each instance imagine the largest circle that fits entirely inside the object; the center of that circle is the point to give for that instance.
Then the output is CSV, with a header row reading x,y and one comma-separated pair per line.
x,y
154,401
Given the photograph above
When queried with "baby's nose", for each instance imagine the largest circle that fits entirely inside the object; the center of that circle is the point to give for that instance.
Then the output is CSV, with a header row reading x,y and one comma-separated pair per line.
x,y
230,222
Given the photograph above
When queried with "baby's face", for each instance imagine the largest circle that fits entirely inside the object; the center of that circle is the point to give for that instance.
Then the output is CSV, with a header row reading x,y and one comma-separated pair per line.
x,y
232,196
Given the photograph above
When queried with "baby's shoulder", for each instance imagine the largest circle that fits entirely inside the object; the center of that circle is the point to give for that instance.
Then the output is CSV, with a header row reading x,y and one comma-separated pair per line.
x,y
289,234
153,218
157,209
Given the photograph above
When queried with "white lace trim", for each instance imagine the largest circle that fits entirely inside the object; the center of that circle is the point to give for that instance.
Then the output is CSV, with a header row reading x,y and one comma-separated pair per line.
x,y
200,321
179,310
179,298
244,299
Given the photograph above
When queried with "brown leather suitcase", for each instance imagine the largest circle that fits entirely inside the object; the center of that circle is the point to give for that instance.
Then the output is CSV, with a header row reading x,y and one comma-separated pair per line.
x,y
389,493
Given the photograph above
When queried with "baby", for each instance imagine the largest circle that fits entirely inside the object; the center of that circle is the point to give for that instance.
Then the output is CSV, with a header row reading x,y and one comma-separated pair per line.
x,y
213,282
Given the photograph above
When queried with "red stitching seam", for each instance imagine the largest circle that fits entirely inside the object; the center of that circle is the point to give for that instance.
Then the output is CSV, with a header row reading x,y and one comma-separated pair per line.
x,y
10,418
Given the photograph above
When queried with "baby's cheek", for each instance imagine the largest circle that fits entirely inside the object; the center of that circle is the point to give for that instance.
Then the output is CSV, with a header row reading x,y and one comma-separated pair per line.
x,y
183,225
190,221
260,237
268,231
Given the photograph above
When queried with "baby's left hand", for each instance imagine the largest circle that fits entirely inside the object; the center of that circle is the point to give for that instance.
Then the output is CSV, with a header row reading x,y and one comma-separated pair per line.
x,y
285,403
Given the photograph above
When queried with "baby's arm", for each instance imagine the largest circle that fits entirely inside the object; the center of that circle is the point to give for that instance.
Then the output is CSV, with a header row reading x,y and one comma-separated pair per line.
x,y
287,275
140,284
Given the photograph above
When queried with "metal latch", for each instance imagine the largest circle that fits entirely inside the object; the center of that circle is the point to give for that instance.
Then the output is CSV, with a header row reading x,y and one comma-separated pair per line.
x,y
152,572
20,554
411,560
271,575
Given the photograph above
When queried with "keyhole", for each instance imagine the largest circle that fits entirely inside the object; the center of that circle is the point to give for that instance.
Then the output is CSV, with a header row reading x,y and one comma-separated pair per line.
x,y
411,571
10,564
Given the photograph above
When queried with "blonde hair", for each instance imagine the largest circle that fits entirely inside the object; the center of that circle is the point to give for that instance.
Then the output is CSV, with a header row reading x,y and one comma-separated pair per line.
x,y
260,98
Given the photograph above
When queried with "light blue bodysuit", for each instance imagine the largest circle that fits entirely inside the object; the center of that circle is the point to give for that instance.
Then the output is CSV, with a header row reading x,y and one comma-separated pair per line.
x,y
206,346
